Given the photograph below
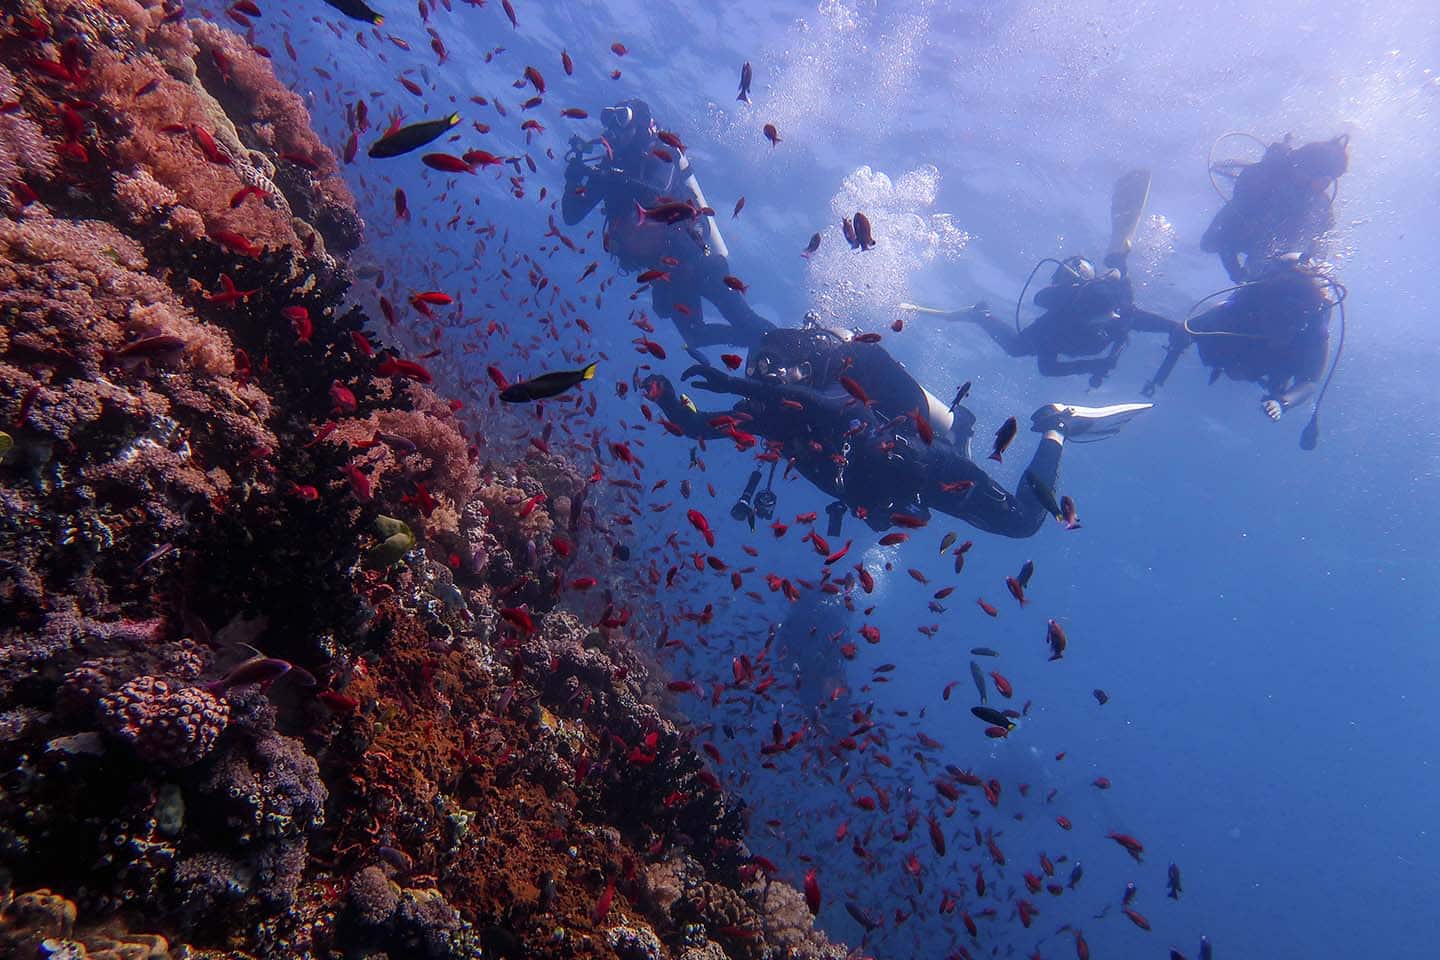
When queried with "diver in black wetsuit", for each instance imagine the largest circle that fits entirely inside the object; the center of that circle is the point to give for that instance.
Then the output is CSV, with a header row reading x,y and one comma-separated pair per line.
x,y
1274,331
872,459
631,171
1281,204
1088,315
807,645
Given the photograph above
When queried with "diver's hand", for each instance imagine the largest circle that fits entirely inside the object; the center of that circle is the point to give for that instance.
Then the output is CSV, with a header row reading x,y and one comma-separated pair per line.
x,y
658,389
715,380
1272,409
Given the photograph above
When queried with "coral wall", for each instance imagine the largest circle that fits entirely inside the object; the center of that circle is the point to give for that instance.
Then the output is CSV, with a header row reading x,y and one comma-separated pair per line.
x,y
283,671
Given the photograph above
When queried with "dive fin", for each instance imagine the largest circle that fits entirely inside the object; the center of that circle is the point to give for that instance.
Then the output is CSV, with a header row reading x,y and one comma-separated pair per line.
x,y
1127,206
1085,424
916,308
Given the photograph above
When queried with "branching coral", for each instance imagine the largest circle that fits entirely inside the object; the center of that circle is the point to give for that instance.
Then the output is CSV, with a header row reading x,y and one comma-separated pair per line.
x,y
24,151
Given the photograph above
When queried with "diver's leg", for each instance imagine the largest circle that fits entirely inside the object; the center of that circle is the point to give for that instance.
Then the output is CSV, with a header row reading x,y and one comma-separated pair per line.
x,y
961,488
748,325
1012,341
678,300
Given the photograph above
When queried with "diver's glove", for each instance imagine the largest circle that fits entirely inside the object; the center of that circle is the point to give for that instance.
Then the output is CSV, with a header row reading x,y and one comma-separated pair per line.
x,y
1273,408
718,381
659,391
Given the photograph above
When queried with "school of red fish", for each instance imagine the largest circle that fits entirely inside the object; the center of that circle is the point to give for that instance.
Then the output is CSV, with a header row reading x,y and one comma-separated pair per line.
x,y
894,836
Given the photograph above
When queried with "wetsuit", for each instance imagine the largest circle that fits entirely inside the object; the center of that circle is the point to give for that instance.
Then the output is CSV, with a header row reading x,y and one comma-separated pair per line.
x,y
1083,319
1273,332
636,175
875,466
1279,205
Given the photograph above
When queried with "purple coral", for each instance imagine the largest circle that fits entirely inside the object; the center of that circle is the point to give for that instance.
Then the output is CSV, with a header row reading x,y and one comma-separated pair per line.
x,y
172,726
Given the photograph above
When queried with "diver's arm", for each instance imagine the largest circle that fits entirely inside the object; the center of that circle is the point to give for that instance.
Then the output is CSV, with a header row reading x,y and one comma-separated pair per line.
x,y
694,423
581,192
804,401
1305,384
1052,366
1179,343
1147,322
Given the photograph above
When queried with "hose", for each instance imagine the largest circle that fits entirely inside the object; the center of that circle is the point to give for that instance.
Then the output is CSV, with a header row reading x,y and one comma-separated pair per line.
x,y
1210,159
1310,436
1190,315
1023,290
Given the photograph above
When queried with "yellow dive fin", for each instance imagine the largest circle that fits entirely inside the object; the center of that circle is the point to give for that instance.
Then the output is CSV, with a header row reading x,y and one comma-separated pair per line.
x,y
1127,206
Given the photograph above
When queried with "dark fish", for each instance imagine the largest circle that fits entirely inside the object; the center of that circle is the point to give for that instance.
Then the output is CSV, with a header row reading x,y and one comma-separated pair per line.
x,y
1128,897
993,716
1044,494
546,385
260,670
984,652
1075,875
1204,948
357,10
1026,572
1003,436
864,239
745,77
862,916
960,395
621,552
1172,883
979,676
1101,697
411,137
848,228
811,247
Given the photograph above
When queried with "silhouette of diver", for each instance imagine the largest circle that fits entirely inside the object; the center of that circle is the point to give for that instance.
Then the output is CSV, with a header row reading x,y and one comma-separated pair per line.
x,y
873,458
1087,314
1281,204
685,245
1274,331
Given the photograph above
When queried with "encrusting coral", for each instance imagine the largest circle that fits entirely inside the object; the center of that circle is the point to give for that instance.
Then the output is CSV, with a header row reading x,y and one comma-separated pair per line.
x,y
226,713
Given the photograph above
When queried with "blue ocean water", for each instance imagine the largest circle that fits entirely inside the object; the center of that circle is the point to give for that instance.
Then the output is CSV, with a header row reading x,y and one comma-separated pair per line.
x,y
1261,616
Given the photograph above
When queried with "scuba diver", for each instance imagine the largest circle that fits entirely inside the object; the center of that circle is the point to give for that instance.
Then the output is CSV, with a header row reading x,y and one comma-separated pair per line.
x,y
656,219
1088,315
1274,331
807,650
1281,204
870,443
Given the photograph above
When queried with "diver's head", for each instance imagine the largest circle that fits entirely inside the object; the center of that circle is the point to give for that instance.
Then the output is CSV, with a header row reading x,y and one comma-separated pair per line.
x,y
625,122
796,356
1071,271
1324,160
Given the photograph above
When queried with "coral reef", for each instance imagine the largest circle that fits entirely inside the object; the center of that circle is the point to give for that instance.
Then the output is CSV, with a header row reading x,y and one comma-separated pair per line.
x,y
285,672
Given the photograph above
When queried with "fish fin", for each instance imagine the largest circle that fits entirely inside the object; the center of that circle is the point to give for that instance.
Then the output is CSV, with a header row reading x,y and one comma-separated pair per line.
x,y
588,373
